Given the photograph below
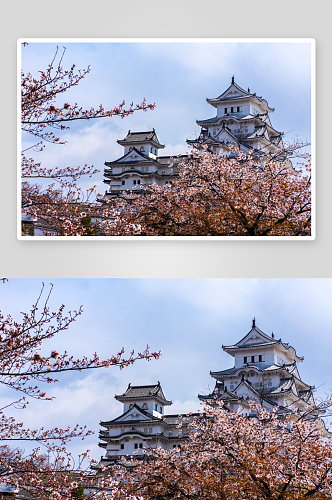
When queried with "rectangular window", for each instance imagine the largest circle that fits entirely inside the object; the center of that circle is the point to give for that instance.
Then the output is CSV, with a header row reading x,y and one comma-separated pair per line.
x,y
150,430
225,110
123,183
245,359
238,109
136,445
122,447
253,359
139,181
141,445
232,110
145,430
261,357
134,181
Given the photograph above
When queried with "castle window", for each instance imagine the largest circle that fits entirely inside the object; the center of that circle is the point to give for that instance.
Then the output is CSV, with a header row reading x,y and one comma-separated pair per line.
x,y
156,407
150,430
253,359
155,151
245,359
139,181
144,406
141,148
232,110
122,447
123,183
225,111
160,409
134,181
261,358
151,150
145,430
239,109
141,445
136,445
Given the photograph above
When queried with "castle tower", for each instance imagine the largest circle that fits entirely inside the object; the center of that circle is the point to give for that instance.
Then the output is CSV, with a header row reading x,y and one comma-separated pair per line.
x,y
140,165
142,425
242,120
266,371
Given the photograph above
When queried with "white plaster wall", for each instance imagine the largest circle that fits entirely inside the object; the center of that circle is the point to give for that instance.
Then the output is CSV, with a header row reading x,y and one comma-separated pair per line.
x,y
147,148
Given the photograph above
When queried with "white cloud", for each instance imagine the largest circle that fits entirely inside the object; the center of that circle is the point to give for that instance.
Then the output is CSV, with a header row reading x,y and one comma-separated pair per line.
x,y
183,407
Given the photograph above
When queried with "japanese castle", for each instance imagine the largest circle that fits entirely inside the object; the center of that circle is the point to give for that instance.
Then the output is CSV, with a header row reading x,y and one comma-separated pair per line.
x,y
142,425
242,120
265,371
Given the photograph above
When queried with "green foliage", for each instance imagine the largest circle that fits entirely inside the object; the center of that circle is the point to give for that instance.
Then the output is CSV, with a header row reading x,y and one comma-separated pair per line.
x,y
90,230
78,492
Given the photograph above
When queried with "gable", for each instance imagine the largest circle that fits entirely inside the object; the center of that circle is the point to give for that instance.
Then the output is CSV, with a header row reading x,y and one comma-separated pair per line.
x,y
247,392
255,336
226,136
233,91
133,155
135,413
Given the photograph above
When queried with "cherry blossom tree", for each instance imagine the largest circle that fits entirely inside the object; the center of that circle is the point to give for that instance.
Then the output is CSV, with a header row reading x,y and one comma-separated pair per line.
x,y
222,196
60,205
234,456
23,368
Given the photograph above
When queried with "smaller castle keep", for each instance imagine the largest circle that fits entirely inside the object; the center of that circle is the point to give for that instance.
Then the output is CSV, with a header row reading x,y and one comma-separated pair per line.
x,y
143,425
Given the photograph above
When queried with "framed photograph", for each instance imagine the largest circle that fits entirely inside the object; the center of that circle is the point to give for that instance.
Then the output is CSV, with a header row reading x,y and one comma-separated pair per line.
x,y
166,139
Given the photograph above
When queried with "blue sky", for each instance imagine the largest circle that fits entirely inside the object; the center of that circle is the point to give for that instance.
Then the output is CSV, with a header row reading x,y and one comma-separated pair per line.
x,y
178,77
189,319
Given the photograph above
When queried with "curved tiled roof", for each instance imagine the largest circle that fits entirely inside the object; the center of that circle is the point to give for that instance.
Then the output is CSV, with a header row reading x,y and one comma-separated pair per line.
x,y
141,137
143,392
